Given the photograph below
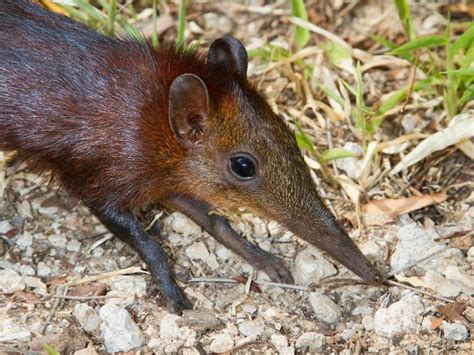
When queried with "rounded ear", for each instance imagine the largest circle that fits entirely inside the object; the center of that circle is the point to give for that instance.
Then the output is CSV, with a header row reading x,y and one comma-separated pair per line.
x,y
188,109
228,55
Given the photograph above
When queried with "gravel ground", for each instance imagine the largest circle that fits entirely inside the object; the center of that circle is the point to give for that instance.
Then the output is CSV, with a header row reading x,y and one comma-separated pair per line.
x,y
66,282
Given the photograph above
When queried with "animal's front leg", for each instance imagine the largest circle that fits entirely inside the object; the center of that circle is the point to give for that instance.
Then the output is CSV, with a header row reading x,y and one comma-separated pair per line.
x,y
125,226
219,228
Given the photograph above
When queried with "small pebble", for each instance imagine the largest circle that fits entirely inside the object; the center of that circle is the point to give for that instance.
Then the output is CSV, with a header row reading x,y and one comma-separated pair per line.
x,y
222,343
182,224
368,323
454,331
168,326
119,331
43,270
197,251
10,331
440,284
58,241
279,341
251,328
310,341
311,266
87,317
24,240
73,245
11,282
27,270
400,317
324,308
461,279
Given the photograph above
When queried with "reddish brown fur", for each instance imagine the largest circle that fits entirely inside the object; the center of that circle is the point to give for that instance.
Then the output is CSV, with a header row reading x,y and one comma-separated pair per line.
x,y
129,155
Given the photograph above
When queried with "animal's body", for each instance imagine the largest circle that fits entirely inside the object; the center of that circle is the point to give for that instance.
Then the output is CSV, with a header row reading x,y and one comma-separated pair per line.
x,y
122,125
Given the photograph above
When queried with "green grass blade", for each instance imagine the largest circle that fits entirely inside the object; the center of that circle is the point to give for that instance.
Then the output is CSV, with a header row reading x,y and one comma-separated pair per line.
x,y
154,33
403,9
400,95
303,140
337,54
301,34
464,41
111,21
93,13
462,71
467,96
420,42
181,22
336,153
49,349
383,41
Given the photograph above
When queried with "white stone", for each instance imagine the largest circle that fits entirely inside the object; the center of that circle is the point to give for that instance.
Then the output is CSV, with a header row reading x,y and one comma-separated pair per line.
x,y
400,317
288,350
10,331
24,240
11,282
43,270
27,270
87,318
212,262
37,284
86,351
440,284
182,224
58,241
73,245
169,329
368,322
311,266
351,166
455,331
311,341
374,251
119,331
129,284
362,310
223,253
251,328
324,308
279,341
415,242
5,226
222,343
348,333
461,279
197,251
470,255
426,323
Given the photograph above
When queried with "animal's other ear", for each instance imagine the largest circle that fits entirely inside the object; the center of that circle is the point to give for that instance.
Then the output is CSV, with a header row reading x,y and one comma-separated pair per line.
x,y
188,109
228,55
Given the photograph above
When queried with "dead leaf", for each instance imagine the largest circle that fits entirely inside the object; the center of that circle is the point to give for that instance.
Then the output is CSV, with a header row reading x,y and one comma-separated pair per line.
x,y
380,212
88,290
442,139
28,297
436,323
453,312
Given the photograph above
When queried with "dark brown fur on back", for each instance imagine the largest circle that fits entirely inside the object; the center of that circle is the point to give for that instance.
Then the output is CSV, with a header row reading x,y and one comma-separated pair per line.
x,y
92,109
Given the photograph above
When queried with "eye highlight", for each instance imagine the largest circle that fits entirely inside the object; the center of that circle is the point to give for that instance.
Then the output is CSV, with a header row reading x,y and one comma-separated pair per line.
x,y
242,167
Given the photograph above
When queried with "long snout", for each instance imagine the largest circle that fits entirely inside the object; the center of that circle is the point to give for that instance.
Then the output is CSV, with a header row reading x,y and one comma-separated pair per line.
x,y
320,228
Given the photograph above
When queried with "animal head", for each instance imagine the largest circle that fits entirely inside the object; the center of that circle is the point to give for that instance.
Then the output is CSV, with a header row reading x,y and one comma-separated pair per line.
x,y
240,153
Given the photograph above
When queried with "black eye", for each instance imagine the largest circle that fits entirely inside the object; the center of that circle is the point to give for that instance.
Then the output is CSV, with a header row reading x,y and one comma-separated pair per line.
x,y
243,167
